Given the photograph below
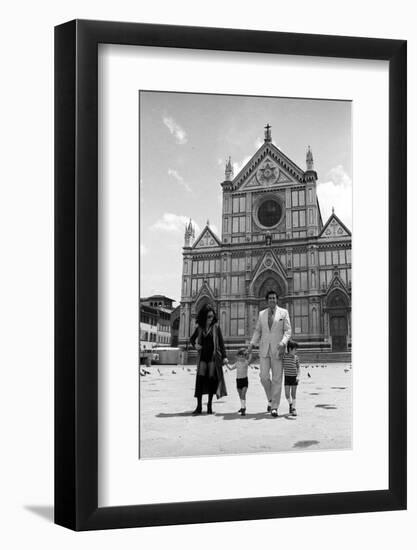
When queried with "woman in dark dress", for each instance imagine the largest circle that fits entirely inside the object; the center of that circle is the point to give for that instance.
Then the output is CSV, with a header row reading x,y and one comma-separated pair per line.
x,y
207,339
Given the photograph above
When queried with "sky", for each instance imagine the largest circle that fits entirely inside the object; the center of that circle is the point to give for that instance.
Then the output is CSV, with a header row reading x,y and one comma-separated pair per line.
x,y
185,140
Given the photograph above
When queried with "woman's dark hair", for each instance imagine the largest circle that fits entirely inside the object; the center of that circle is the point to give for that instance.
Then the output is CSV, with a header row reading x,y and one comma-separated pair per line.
x,y
268,294
202,315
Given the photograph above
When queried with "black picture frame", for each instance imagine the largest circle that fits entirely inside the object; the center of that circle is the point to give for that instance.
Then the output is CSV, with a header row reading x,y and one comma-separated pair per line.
x,y
76,272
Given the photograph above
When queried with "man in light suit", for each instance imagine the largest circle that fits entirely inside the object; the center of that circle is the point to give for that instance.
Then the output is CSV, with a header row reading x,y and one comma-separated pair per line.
x,y
272,332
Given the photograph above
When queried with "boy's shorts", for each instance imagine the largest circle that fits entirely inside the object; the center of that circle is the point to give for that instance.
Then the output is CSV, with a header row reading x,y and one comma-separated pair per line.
x,y
291,381
242,383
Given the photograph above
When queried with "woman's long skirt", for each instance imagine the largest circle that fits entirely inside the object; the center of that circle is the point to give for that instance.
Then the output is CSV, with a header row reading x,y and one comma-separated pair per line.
x,y
210,379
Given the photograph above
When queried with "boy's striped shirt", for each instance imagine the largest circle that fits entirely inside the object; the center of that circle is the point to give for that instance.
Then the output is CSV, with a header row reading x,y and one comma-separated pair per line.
x,y
290,364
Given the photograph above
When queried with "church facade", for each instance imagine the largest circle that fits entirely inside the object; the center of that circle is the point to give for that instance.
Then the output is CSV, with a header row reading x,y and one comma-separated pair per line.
x,y
273,237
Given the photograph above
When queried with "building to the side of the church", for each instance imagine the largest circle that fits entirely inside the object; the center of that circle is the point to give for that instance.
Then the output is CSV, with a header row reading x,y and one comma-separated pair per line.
x,y
155,321
273,237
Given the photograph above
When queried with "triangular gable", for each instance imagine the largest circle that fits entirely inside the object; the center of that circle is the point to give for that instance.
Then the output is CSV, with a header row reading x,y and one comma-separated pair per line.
x,y
280,167
205,291
337,283
207,239
268,262
268,173
334,228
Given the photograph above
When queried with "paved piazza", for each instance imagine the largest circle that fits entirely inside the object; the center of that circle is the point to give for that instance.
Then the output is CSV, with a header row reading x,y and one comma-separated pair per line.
x,y
168,429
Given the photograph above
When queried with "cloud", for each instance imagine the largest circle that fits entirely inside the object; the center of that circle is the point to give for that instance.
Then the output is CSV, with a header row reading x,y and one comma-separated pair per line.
x,y
339,176
258,142
173,223
179,179
176,130
336,193
237,166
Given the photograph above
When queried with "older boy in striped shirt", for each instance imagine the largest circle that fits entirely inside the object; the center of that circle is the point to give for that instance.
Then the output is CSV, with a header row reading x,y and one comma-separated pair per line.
x,y
292,375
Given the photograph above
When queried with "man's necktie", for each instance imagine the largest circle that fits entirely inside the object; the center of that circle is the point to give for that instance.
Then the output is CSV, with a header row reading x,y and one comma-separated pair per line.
x,y
270,319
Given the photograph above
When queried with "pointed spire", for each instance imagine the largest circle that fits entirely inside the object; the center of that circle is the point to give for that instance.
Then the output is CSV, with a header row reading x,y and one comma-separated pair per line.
x,y
268,135
208,222
332,209
309,159
229,170
189,234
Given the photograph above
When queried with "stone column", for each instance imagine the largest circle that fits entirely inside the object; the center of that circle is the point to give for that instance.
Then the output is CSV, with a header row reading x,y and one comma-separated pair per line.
x,y
251,314
326,326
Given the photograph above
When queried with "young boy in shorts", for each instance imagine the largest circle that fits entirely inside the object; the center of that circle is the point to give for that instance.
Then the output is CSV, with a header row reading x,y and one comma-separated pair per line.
x,y
243,360
292,375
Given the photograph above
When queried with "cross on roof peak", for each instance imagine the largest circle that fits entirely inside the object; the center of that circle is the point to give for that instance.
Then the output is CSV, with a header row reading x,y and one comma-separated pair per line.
x,y
268,136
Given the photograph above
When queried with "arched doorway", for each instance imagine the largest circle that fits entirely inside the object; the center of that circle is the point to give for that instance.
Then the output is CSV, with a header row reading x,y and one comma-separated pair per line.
x,y
337,309
269,280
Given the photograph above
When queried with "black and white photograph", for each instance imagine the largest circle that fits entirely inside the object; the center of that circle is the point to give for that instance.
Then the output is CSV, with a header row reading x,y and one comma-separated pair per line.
x,y
245,335
208,235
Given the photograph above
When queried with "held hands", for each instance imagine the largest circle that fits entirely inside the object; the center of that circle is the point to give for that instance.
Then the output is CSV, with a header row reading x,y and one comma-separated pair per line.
x,y
281,350
198,347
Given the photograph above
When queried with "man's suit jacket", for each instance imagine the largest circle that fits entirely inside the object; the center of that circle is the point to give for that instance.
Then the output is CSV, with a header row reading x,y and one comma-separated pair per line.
x,y
279,333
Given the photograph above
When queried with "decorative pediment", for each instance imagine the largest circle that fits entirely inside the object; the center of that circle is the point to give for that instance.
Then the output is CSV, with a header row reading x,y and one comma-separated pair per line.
x,y
269,262
268,174
207,239
205,292
269,166
283,178
337,283
334,229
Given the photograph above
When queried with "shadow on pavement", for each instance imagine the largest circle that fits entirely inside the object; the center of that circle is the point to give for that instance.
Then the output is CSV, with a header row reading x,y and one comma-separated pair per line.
x,y
175,415
227,416
252,416
306,443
